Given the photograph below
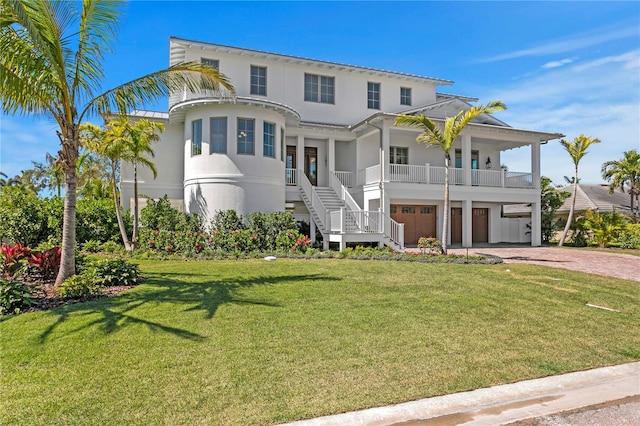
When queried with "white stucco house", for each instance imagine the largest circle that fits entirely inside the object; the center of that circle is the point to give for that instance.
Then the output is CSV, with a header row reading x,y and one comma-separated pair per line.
x,y
317,138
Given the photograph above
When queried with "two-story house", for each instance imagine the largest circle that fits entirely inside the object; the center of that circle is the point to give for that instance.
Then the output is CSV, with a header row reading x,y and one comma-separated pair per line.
x,y
317,138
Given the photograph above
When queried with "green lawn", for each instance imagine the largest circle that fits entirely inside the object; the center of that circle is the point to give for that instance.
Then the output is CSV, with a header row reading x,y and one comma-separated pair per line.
x,y
255,342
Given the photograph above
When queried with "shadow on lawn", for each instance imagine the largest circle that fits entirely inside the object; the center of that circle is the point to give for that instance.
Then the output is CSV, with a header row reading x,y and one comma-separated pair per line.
x,y
115,313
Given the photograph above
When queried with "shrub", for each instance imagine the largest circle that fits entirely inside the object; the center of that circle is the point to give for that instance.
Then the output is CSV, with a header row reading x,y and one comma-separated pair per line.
x,y
96,219
111,247
14,259
14,296
92,246
430,245
292,241
78,287
47,262
159,215
114,272
24,217
629,238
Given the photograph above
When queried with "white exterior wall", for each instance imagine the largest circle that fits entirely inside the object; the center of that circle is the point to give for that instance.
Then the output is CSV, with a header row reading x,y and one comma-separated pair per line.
x,y
232,181
285,85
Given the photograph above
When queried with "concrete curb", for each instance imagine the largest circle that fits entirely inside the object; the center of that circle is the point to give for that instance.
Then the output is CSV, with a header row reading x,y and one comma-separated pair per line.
x,y
501,404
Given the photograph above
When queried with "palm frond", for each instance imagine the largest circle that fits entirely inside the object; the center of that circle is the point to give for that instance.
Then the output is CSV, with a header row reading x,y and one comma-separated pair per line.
x,y
192,76
98,25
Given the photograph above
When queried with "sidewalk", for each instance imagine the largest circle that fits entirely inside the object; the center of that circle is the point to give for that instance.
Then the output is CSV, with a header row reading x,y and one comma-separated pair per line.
x,y
504,404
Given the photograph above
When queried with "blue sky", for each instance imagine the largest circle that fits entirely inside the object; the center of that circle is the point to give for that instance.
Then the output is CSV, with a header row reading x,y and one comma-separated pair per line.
x,y
567,67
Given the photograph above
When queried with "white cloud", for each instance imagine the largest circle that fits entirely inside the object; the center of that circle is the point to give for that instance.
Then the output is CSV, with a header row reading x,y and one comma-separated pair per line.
x,y
569,44
560,63
600,99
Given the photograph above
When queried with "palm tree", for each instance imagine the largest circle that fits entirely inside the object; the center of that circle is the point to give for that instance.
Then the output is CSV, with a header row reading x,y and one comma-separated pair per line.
x,y
139,138
432,134
52,64
109,143
576,149
625,171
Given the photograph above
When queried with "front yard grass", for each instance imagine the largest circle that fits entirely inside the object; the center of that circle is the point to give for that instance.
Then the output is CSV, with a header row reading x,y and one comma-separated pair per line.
x,y
255,342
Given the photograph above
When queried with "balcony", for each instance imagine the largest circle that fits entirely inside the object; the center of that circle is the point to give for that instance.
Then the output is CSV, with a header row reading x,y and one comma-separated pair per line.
x,y
431,175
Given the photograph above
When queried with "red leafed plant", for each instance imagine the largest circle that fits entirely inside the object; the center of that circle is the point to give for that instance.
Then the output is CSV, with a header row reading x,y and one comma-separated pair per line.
x,y
13,258
48,262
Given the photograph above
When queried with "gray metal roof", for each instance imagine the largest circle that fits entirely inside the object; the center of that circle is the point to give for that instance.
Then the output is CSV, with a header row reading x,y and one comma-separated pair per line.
x,y
176,52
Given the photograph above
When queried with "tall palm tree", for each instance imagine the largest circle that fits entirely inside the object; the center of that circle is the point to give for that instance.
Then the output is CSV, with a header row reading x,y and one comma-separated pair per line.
x,y
139,138
576,149
51,64
432,134
624,172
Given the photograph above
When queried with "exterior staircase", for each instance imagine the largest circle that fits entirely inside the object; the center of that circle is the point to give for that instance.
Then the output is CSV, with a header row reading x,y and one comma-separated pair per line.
x,y
329,200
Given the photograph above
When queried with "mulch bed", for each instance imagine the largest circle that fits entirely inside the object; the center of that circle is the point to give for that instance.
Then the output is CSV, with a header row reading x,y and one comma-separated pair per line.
x,y
45,297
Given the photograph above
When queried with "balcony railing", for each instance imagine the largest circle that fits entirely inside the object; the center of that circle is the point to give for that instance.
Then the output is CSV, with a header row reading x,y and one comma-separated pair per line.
x,y
436,175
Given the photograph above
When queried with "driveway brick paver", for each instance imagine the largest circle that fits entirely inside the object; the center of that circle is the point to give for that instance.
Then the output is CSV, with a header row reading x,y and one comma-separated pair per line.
x,y
616,265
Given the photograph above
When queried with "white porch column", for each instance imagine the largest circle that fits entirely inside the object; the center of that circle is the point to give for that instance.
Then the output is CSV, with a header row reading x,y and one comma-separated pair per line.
x,y
467,224
312,231
300,154
535,164
536,225
466,160
331,155
385,144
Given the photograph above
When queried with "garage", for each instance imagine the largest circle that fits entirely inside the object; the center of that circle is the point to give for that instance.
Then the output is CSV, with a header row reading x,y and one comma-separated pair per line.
x,y
419,221
479,225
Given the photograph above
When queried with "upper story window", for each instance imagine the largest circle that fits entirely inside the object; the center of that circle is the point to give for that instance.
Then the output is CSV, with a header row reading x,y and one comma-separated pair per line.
x,y
319,88
269,140
246,136
373,95
399,155
196,137
213,63
405,96
218,129
258,80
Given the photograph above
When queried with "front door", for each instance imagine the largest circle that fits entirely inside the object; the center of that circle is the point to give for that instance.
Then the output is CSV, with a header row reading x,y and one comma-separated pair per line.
x,y
311,164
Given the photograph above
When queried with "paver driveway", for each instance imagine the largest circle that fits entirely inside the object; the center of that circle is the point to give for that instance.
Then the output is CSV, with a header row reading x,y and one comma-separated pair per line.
x,y
616,265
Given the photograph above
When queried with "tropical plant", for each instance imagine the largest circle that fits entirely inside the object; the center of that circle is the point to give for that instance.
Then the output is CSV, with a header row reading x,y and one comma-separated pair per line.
x,y
445,137
576,149
624,173
140,136
605,227
550,201
52,64
14,296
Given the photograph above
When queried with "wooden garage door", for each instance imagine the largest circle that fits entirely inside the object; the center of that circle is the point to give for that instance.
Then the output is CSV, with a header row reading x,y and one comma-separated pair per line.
x,y
456,225
480,226
419,221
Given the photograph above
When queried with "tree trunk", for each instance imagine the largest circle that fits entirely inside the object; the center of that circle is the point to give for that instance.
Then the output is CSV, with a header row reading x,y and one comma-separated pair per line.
x,y
69,139
445,215
116,201
571,210
68,261
134,236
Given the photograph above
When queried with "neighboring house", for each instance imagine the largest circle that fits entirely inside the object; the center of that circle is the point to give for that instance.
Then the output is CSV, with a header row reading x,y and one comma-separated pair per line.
x,y
595,197
317,138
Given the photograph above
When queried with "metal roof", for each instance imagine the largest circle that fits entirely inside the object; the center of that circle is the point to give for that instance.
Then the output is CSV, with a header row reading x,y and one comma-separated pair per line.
x,y
177,55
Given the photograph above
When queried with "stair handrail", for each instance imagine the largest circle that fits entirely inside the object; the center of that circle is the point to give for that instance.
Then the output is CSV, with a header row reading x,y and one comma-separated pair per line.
x,y
343,192
314,199
396,232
